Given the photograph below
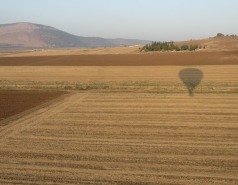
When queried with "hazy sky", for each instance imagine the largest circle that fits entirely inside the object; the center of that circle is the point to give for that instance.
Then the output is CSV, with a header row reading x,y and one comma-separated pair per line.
x,y
157,20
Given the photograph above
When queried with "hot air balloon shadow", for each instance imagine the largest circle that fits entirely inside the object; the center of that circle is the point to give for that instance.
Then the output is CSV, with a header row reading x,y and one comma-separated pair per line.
x,y
191,77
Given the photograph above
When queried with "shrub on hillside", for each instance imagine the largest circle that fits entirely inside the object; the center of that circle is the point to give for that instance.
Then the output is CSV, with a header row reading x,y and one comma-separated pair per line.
x,y
193,47
220,35
184,47
159,46
168,46
176,48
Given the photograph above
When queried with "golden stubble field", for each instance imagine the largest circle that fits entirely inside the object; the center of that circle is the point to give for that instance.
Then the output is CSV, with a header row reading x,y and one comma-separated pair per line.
x,y
123,125
216,78
124,138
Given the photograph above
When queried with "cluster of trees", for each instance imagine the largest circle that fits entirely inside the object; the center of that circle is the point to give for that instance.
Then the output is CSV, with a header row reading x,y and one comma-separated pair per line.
x,y
169,46
222,35
159,46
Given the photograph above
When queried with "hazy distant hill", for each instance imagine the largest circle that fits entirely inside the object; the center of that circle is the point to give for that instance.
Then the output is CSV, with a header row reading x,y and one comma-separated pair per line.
x,y
30,36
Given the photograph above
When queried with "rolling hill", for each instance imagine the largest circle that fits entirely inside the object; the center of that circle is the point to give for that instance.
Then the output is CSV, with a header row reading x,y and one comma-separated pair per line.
x,y
31,36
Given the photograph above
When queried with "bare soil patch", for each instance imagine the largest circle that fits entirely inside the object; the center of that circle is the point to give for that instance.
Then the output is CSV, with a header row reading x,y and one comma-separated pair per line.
x,y
14,102
148,59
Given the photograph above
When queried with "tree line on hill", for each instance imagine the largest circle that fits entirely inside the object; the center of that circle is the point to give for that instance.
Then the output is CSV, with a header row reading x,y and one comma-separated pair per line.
x,y
222,35
169,46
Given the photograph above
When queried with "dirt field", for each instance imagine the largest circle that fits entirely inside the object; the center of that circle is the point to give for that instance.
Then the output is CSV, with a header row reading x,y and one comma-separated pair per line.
x,y
124,138
148,59
14,102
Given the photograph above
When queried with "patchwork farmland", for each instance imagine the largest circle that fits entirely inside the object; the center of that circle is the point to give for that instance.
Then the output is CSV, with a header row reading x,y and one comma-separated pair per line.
x,y
122,124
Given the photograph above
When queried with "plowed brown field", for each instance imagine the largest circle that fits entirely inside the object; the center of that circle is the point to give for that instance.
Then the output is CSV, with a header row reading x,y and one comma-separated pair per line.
x,y
124,138
148,59
14,102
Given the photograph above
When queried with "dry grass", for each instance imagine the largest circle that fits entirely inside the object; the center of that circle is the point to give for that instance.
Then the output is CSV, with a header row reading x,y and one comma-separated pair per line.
x,y
214,44
83,51
161,78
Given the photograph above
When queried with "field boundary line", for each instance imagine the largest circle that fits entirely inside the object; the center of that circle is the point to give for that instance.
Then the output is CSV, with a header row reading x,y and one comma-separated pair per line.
x,y
19,115
22,121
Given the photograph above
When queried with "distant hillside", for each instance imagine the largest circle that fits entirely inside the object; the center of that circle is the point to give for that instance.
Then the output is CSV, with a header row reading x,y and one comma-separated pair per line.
x,y
35,36
212,43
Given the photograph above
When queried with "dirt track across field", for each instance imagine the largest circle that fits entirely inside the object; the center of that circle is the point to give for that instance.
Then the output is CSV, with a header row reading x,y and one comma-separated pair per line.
x,y
148,59
124,138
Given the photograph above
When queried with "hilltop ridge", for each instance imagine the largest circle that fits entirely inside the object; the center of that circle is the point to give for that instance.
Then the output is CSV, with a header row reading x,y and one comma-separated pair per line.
x,y
31,36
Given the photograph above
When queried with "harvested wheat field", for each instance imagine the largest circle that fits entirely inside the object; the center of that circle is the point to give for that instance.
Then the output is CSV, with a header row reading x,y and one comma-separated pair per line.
x,y
216,78
127,119
124,138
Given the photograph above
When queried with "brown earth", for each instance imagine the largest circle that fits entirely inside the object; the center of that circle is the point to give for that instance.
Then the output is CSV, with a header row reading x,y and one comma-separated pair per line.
x,y
14,102
124,138
149,59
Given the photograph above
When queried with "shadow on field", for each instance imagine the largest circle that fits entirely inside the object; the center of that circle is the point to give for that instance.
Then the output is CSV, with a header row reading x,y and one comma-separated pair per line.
x,y
191,77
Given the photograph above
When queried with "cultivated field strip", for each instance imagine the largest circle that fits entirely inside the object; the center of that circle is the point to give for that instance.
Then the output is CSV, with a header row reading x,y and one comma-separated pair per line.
x,y
124,138
142,59
214,75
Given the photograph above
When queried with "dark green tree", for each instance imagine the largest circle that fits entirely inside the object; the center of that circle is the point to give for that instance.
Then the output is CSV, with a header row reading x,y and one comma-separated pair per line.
x,y
176,48
193,47
220,35
184,47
